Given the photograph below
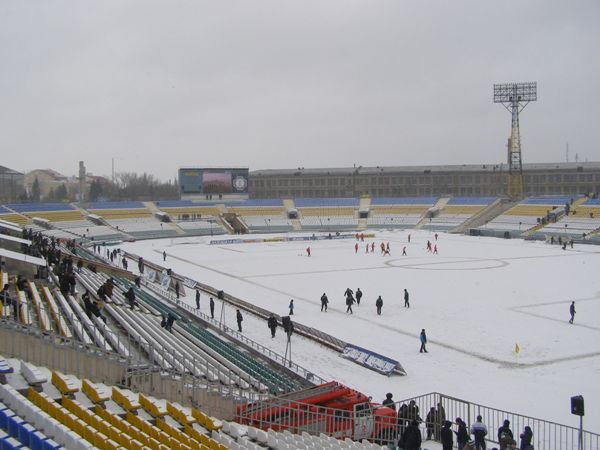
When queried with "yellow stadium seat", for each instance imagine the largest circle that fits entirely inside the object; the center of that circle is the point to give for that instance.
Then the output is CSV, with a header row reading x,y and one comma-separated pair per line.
x,y
64,384
151,407
180,415
99,440
93,393
128,402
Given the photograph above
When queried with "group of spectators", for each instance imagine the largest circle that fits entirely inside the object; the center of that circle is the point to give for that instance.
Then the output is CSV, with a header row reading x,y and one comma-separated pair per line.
x,y
438,428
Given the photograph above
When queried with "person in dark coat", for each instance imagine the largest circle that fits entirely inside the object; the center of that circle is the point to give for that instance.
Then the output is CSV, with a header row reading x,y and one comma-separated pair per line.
x,y
505,435
358,296
177,289
348,292
379,304
430,421
324,302
389,402
406,302
446,436
349,302
130,296
169,323
462,435
211,304
87,303
423,339
197,299
239,318
411,438
164,255
291,307
572,312
138,282
272,324
526,438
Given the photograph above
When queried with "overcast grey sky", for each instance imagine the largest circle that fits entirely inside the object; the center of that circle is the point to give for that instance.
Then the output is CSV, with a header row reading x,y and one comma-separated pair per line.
x,y
280,84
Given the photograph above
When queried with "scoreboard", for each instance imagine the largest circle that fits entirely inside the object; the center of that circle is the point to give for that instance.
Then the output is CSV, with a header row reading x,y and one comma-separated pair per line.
x,y
201,181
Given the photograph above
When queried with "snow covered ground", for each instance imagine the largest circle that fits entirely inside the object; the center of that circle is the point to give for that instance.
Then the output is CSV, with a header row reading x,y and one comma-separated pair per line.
x,y
477,298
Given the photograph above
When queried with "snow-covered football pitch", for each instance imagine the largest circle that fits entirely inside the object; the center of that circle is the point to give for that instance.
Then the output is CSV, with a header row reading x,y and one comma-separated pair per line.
x,y
477,299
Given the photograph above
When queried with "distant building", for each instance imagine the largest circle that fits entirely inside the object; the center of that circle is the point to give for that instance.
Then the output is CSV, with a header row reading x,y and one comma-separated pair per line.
x,y
12,185
48,180
410,181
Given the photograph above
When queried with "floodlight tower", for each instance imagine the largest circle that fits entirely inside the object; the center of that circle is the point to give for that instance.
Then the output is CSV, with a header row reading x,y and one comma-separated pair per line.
x,y
515,97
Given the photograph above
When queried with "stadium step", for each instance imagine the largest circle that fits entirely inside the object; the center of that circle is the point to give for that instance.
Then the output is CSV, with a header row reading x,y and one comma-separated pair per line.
x,y
439,205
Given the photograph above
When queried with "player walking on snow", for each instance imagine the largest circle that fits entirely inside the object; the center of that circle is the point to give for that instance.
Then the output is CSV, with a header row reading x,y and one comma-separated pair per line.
x,y
423,339
349,302
406,302
572,312
307,251
379,305
324,302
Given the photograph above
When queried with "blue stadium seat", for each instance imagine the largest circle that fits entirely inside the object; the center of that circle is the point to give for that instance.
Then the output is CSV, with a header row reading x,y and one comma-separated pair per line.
x,y
475,201
25,432
49,444
115,205
404,201
10,443
325,202
591,202
554,200
5,413
5,367
14,424
35,207
37,440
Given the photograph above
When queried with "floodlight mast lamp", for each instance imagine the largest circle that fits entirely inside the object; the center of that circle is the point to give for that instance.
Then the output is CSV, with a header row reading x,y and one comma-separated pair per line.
x,y
515,97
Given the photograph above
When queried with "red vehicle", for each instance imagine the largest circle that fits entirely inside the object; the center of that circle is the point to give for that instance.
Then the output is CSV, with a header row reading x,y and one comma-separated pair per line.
x,y
331,408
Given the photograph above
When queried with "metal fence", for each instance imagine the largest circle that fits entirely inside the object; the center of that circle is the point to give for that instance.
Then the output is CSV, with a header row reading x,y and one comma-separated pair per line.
x,y
288,413
547,435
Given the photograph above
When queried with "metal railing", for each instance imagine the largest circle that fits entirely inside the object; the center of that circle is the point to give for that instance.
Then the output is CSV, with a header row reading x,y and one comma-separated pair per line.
x,y
547,435
265,351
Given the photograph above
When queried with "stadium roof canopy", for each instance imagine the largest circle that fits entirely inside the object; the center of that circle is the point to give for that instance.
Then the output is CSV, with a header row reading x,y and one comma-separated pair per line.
x,y
7,171
422,169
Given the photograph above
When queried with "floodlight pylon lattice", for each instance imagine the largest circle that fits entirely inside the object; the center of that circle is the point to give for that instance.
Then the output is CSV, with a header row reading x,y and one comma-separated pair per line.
x,y
515,97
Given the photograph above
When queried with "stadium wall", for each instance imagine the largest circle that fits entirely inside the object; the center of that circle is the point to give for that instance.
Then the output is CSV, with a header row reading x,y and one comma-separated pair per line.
x,y
464,180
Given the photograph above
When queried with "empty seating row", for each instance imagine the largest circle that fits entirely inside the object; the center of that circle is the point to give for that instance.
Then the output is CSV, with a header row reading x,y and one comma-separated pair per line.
x,y
427,201
81,415
326,202
393,220
223,351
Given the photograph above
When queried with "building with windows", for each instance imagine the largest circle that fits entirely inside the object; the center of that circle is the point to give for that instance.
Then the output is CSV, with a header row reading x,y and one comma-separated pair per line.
x,y
464,180
12,184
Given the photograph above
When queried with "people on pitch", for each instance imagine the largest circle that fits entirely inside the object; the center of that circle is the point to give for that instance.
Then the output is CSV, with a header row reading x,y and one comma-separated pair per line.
x,y
423,339
324,302
572,312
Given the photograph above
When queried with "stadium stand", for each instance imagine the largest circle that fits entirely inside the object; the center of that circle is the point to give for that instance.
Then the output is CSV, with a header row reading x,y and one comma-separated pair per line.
x,y
119,210
582,221
398,212
457,211
262,215
328,213
529,214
